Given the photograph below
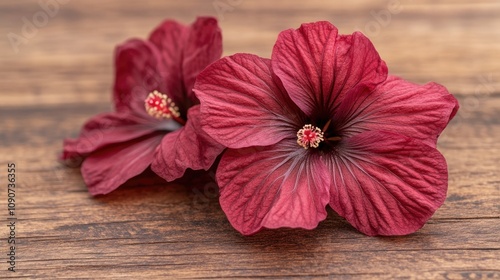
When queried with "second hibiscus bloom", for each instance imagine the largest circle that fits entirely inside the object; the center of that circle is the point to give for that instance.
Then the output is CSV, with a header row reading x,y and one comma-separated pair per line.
x,y
156,122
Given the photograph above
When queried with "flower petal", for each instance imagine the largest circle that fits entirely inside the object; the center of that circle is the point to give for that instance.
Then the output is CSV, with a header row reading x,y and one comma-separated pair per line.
x,y
188,147
203,46
272,187
106,169
139,71
420,112
103,130
386,183
242,106
318,67
170,39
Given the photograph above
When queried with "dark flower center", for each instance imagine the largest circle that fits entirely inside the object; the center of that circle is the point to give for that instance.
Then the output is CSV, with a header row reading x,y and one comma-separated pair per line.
x,y
310,136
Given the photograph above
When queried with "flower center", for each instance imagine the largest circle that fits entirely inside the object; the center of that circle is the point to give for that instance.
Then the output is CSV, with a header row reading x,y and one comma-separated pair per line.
x,y
309,136
158,105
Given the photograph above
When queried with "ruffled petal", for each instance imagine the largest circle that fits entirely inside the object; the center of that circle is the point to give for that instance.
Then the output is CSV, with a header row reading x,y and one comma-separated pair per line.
x,y
107,169
188,147
273,187
203,46
420,112
139,71
318,67
387,184
103,130
241,105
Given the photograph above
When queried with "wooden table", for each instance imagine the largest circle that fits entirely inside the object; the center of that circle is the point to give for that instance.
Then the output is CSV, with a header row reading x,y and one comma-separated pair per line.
x,y
61,74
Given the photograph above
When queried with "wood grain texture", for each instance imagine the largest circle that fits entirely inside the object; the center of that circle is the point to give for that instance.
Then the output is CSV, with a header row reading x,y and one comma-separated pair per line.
x,y
148,229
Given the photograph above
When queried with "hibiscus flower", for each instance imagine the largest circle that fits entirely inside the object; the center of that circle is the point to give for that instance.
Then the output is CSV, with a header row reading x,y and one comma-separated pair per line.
x,y
319,123
156,118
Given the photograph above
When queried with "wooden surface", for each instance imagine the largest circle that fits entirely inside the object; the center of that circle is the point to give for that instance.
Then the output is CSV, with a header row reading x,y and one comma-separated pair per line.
x,y
62,75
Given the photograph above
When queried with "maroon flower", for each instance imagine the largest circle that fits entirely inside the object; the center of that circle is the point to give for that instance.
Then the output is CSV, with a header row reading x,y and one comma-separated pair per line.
x,y
322,123
156,122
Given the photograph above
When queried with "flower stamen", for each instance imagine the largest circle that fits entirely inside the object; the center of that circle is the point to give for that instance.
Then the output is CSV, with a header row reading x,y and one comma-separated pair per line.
x,y
160,106
327,125
334,139
309,136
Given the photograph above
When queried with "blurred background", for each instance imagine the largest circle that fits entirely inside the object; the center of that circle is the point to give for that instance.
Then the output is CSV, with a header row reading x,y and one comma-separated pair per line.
x,y
64,54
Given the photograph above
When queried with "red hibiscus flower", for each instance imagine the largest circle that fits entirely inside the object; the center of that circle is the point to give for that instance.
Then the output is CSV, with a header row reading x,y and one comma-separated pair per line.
x,y
322,123
156,122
